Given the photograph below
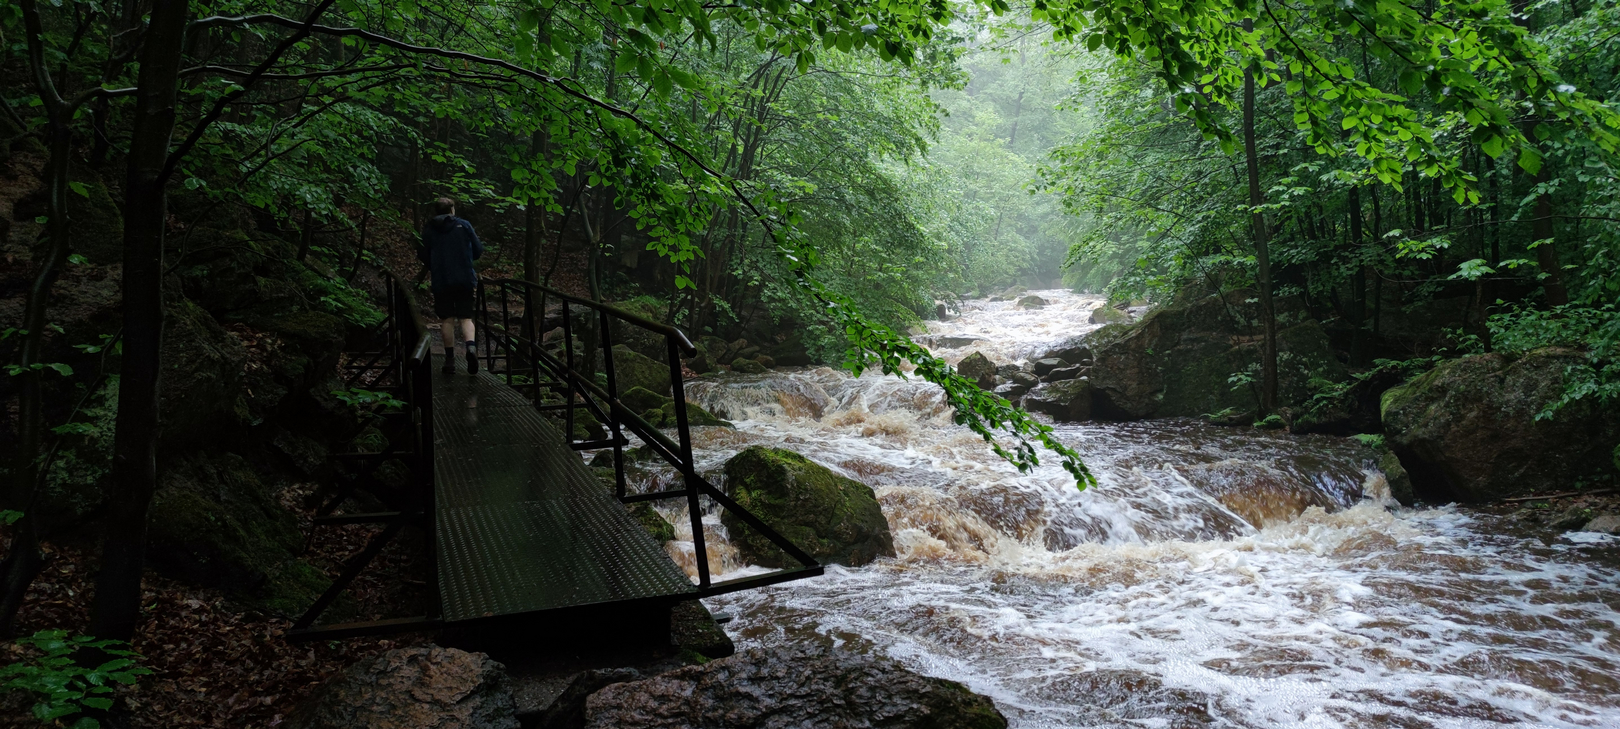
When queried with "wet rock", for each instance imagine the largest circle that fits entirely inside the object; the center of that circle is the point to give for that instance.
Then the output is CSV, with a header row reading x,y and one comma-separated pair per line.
x,y
955,342
978,368
1012,391
1179,359
1066,402
1123,697
799,688
731,351
1574,517
1109,315
1607,524
1066,373
1006,371
1031,302
1467,430
700,363
632,369
423,687
1043,366
1027,379
941,311
833,518
748,367
1075,350
765,360
1400,483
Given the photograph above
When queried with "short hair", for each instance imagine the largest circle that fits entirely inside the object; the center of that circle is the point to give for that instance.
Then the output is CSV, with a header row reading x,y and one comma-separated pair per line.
x,y
444,206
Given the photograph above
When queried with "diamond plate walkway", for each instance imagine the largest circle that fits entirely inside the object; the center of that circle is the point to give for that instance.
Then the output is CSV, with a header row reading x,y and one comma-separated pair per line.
x,y
521,524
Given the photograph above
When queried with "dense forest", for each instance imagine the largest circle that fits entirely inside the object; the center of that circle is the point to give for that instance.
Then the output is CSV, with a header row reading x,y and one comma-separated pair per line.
x,y
202,205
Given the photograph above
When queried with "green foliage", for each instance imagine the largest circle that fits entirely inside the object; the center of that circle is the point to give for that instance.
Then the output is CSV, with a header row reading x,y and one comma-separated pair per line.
x,y
8,517
1593,330
62,688
336,296
366,399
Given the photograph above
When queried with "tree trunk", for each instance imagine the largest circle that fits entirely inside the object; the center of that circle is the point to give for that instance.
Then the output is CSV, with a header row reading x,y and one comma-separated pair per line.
x,y
1262,253
134,469
1541,231
1358,284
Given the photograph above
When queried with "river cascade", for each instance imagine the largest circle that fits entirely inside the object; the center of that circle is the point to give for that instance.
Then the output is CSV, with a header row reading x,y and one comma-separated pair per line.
x,y
1220,577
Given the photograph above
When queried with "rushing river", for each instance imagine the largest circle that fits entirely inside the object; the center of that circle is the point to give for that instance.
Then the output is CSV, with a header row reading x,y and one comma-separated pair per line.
x,y
1219,577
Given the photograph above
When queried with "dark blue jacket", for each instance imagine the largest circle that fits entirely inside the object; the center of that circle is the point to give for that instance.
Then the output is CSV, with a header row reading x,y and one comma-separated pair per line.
x,y
449,247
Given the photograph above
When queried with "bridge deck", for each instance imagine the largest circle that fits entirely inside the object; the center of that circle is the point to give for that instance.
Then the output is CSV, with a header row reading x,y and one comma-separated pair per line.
x,y
522,524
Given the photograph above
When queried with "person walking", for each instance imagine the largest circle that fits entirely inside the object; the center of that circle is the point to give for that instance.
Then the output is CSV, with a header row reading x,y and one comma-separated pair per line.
x,y
449,247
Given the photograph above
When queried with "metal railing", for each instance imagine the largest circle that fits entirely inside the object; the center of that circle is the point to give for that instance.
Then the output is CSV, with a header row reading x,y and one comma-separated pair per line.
x,y
402,368
513,320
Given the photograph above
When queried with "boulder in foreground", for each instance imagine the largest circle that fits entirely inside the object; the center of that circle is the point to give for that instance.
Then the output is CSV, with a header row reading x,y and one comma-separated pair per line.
x,y
1467,430
835,519
797,688
423,687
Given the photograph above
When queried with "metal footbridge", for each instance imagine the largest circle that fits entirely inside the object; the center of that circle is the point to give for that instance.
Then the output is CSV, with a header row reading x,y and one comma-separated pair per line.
x,y
514,526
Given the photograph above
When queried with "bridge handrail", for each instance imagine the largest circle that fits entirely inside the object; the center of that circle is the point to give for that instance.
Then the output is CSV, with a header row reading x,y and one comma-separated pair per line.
x,y
525,347
686,345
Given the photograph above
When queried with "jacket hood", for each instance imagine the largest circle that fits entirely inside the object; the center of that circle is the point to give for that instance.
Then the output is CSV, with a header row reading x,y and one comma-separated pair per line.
x,y
442,223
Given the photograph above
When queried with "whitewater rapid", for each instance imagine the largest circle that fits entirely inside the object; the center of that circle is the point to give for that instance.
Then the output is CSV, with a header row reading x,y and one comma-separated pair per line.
x,y
1215,577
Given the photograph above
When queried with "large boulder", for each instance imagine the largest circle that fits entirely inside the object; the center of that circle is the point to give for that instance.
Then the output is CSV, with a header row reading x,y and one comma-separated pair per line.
x,y
1068,401
833,518
1074,350
215,522
978,368
202,375
632,369
1031,302
423,687
797,688
1467,430
1180,360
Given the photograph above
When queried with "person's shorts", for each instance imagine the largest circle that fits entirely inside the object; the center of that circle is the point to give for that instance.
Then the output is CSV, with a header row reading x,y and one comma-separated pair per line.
x,y
453,302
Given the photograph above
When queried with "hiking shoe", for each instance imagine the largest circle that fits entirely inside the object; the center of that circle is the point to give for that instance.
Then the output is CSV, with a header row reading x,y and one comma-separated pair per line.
x,y
472,364
449,366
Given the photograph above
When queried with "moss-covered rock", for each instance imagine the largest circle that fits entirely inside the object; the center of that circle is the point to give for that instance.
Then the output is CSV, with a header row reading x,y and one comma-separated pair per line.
x,y
632,370
660,410
748,367
978,368
1068,401
1467,430
833,518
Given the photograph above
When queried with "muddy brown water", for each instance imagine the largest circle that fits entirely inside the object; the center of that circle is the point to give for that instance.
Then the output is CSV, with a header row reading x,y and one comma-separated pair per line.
x,y
1216,577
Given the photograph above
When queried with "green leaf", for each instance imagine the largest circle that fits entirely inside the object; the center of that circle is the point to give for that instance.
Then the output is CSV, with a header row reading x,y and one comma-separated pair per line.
x,y
80,188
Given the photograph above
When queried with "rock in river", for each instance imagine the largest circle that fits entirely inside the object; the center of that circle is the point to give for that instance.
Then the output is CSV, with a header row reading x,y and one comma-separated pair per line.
x,y
423,687
978,368
1068,401
1468,431
835,519
797,688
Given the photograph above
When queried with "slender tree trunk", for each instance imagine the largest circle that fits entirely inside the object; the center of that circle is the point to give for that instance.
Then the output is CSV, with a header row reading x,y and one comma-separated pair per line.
x,y
1541,231
117,608
1262,253
1358,283
24,560
306,235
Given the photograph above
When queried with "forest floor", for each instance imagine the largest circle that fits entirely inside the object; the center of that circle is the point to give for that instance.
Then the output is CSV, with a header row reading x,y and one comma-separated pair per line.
x,y
215,663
